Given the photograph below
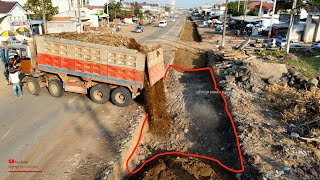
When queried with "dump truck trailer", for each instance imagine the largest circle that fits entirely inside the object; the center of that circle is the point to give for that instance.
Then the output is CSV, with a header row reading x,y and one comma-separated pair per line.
x,y
103,72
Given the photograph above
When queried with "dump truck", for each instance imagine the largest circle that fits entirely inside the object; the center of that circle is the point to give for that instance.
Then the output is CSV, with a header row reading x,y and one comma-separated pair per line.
x,y
103,72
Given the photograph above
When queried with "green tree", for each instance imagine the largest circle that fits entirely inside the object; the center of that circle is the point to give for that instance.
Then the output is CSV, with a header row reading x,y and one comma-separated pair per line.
x,y
314,3
167,9
35,7
124,13
283,5
114,8
136,8
233,9
252,12
147,12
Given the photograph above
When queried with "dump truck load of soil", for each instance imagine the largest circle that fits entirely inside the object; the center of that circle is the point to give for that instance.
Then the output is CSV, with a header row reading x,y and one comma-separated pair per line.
x,y
101,38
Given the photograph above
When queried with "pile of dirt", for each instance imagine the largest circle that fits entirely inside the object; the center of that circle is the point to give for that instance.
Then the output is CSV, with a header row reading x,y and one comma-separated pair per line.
x,y
180,167
189,58
190,33
100,38
298,107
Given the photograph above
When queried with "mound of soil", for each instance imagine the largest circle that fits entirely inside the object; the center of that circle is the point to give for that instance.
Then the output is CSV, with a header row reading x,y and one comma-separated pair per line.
x,y
176,168
100,38
190,28
188,58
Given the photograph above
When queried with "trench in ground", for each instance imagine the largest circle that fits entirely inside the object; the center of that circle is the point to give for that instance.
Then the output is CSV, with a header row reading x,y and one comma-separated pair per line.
x,y
209,127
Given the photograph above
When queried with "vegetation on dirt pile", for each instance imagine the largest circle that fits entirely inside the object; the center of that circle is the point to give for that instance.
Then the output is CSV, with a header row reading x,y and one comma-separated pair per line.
x,y
308,66
101,38
307,63
298,107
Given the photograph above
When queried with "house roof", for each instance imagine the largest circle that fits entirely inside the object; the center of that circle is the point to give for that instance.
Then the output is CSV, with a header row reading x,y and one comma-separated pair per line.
x,y
256,4
6,6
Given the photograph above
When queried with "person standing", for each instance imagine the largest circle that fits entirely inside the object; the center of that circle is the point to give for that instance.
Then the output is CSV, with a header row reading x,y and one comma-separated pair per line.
x,y
15,81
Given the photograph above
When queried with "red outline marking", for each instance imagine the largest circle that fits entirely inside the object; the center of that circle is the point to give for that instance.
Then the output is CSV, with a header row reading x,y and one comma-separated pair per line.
x,y
186,154
25,171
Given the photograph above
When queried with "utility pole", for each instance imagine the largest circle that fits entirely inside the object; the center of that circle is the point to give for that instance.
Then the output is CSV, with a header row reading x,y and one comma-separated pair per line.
x,y
224,25
44,17
238,5
271,22
108,13
245,9
292,12
260,10
78,7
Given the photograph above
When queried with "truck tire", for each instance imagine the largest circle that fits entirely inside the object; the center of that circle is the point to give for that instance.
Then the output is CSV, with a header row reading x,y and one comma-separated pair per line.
x,y
100,93
33,86
121,97
55,88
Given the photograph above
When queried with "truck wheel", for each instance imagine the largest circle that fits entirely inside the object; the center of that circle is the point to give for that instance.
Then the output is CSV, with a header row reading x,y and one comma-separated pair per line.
x,y
121,97
33,86
100,93
55,88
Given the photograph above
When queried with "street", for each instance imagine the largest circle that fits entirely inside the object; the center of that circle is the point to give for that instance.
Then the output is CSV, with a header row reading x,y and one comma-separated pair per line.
x,y
58,136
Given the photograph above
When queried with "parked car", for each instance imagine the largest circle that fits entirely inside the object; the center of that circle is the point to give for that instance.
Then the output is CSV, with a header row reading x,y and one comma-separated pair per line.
x,y
13,40
316,45
292,44
163,23
295,44
138,29
173,19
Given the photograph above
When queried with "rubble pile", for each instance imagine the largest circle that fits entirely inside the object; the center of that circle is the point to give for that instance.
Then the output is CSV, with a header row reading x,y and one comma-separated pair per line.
x,y
299,81
232,73
278,124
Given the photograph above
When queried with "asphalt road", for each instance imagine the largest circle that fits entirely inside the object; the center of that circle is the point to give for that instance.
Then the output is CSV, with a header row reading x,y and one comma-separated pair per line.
x,y
56,135
153,32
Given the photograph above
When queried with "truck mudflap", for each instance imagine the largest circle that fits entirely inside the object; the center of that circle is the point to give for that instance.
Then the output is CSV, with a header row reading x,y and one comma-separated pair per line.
x,y
155,64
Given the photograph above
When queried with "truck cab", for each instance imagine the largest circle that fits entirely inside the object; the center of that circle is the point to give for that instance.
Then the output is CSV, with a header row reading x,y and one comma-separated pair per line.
x,y
24,52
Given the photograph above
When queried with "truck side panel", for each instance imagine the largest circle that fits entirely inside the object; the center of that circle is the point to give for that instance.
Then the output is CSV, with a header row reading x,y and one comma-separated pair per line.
x,y
96,72
113,65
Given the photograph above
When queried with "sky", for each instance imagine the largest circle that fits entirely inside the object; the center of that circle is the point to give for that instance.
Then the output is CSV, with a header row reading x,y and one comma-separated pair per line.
x,y
179,3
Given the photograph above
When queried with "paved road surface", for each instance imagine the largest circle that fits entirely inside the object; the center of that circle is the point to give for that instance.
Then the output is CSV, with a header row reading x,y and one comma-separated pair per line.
x,y
59,135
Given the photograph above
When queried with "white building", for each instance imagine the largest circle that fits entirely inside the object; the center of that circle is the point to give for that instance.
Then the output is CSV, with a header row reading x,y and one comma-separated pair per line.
x,y
12,16
68,5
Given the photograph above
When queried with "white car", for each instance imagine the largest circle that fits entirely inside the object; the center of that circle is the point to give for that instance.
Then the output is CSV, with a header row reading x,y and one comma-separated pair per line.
x,y
295,44
163,23
292,44
316,45
173,19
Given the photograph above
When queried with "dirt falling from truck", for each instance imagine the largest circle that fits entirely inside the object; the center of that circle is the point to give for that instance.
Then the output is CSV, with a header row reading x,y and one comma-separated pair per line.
x,y
154,99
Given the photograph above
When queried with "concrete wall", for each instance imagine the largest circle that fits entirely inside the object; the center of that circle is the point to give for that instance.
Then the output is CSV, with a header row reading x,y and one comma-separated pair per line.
x,y
309,30
61,26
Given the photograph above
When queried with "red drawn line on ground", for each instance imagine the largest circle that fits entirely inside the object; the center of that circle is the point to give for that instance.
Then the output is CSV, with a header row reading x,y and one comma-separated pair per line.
x,y
25,171
186,154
